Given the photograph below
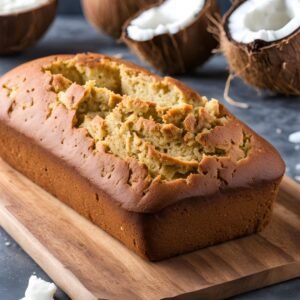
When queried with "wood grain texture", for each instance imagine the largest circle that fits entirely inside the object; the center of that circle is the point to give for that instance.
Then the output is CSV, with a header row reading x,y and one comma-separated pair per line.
x,y
88,264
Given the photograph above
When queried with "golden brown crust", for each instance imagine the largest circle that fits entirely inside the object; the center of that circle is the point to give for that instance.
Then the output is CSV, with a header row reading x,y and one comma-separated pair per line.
x,y
28,96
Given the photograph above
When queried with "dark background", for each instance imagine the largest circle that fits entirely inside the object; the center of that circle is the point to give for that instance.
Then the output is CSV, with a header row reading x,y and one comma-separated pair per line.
x,y
72,7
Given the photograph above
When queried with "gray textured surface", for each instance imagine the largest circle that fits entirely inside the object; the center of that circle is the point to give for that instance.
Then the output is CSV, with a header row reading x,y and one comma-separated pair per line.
x,y
267,113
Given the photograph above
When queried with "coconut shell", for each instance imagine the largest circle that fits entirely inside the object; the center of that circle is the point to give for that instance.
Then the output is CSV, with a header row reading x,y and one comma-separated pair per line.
x,y
264,65
21,30
109,16
187,49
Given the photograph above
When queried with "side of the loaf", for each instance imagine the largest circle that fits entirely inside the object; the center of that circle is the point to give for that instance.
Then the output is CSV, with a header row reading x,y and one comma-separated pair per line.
x,y
185,226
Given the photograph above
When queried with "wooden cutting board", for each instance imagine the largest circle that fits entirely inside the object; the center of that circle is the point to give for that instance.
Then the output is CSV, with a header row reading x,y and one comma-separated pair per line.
x,y
88,264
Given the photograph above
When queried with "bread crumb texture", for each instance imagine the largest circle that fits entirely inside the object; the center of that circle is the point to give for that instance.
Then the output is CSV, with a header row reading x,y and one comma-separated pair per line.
x,y
134,115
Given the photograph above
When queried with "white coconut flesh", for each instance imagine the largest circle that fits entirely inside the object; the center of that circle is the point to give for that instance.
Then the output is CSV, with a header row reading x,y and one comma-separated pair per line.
x,y
169,18
16,6
267,20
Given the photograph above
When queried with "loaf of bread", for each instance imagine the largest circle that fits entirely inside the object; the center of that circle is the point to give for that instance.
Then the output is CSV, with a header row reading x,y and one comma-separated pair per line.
x,y
156,165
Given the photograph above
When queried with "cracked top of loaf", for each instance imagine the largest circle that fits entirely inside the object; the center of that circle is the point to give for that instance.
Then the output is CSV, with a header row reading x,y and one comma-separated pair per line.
x,y
146,141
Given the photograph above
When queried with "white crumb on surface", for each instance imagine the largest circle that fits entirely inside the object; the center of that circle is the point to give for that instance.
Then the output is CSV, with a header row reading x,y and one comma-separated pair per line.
x,y
39,289
295,137
7,244
297,168
118,55
278,130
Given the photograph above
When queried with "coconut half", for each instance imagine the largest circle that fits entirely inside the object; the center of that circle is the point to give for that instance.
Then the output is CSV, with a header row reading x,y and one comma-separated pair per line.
x,y
109,16
23,22
261,40
172,36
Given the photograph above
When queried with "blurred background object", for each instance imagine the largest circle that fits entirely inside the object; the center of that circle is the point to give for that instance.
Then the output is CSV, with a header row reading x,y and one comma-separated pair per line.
x,y
110,15
23,23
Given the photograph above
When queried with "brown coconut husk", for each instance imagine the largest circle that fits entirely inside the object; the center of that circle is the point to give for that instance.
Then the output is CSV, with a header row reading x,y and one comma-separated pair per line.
x,y
21,30
264,65
187,49
109,16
